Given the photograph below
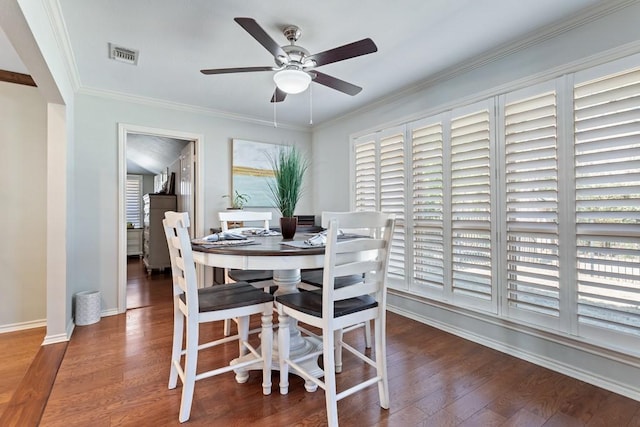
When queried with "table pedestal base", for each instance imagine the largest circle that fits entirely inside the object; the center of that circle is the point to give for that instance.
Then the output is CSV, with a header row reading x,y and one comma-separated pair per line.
x,y
287,281
304,345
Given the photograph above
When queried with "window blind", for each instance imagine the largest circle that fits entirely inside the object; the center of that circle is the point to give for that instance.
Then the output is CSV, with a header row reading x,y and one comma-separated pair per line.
x,y
428,205
133,202
531,197
392,195
607,167
365,175
471,205
531,179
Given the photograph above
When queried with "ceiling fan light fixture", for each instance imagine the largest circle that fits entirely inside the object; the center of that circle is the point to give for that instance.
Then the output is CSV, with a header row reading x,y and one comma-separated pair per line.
x,y
292,81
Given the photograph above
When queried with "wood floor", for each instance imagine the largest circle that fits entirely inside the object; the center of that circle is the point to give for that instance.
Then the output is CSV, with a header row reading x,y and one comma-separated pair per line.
x,y
115,372
17,351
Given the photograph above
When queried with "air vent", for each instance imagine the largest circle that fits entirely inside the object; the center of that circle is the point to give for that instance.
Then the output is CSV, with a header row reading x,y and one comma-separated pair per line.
x,y
123,54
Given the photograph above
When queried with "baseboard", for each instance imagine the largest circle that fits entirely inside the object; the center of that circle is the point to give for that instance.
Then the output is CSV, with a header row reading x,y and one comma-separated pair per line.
x,y
111,312
597,368
55,339
13,327
58,338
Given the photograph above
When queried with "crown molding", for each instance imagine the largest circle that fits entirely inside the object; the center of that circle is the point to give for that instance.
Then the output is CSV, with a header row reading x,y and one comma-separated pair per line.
x,y
159,103
537,37
54,13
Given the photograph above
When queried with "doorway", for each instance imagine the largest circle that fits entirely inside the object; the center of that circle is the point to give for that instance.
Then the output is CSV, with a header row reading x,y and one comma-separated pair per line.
x,y
188,182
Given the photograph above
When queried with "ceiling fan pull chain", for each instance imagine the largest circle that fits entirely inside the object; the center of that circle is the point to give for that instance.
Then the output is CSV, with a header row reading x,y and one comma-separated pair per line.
x,y
311,104
275,123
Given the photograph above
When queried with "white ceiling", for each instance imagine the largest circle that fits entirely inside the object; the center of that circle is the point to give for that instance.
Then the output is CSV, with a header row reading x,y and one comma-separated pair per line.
x,y
150,155
9,59
416,40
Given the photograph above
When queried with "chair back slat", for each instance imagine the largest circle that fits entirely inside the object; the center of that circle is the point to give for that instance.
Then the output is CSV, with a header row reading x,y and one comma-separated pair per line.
x,y
226,217
357,267
355,220
358,245
356,290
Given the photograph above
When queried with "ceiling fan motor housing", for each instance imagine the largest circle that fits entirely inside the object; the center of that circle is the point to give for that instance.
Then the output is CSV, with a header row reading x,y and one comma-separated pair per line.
x,y
296,57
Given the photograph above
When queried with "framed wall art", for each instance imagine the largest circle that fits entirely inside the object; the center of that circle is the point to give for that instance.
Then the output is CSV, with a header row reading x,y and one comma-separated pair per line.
x,y
251,171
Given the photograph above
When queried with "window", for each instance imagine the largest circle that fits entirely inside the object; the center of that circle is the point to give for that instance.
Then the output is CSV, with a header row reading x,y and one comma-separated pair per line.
x,y
607,174
471,206
428,205
134,200
531,206
380,185
525,206
392,195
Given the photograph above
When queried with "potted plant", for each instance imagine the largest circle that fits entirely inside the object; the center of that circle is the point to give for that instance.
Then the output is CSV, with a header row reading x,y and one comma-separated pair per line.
x,y
238,200
289,167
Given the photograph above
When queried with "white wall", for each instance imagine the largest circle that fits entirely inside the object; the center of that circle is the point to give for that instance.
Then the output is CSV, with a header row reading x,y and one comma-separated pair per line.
x,y
95,181
29,25
23,168
611,36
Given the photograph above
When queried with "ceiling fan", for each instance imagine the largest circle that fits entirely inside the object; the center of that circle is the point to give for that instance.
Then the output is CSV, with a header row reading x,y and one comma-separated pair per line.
x,y
295,66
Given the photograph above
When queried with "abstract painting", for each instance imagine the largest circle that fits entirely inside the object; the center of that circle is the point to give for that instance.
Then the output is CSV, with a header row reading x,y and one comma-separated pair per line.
x,y
251,171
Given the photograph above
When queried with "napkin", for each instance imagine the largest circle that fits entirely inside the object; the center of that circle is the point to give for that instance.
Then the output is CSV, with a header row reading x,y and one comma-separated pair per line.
x,y
265,233
225,235
320,239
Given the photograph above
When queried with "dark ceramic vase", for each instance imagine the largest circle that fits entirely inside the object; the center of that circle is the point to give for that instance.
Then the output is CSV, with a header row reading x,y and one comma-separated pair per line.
x,y
288,227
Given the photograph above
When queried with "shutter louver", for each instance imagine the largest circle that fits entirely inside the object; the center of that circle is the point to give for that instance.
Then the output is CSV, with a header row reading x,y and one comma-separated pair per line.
x,y
133,200
428,206
366,176
607,165
531,172
471,205
392,196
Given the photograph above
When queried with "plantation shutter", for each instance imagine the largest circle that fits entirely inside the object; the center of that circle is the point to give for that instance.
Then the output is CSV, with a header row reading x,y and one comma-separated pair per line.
x,y
365,175
607,165
133,202
471,254
392,195
532,235
428,205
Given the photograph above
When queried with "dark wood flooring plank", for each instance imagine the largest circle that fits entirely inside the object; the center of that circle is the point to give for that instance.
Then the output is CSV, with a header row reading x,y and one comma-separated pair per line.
x,y
17,350
27,404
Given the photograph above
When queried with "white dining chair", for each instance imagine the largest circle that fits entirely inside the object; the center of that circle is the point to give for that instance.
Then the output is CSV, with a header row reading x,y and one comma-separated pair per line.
x,y
258,278
333,309
193,306
313,278
230,217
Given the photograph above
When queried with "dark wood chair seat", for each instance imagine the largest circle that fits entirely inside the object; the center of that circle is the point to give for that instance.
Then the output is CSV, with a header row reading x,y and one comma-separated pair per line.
x,y
229,296
310,302
315,278
250,276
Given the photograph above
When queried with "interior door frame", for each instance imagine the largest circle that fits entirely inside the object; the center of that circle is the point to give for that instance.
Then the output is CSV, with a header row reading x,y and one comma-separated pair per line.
x,y
197,223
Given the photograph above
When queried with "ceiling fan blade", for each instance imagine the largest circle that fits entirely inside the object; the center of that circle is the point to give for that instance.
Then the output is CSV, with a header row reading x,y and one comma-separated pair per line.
x,y
351,50
256,31
335,83
278,95
235,70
